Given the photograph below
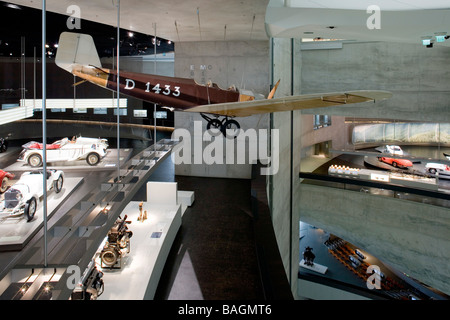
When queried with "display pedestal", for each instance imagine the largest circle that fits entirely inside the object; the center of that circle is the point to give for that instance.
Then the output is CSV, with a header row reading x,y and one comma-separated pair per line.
x,y
186,199
15,232
315,267
150,245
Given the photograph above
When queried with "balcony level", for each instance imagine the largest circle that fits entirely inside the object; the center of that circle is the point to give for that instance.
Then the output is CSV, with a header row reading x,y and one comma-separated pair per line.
x,y
404,227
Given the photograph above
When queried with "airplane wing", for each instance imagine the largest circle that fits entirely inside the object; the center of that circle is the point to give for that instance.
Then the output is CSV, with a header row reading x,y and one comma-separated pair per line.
x,y
289,103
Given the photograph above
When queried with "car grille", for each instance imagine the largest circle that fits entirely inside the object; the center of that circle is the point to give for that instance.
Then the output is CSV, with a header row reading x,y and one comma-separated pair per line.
x,y
11,198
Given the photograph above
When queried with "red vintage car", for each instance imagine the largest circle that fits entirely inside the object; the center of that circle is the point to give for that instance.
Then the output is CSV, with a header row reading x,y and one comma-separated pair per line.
x,y
397,163
4,178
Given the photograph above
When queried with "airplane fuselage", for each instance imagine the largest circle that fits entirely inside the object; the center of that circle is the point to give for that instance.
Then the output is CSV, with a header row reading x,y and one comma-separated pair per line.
x,y
176,93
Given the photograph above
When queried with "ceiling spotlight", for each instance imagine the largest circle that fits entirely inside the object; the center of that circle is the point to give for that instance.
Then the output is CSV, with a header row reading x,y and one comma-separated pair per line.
x,y
13,6
130,34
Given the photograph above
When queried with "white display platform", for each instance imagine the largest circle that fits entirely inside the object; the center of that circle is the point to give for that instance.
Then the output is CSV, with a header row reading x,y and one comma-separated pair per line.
x,y
109,161
152,239
15,232
315,267
186,199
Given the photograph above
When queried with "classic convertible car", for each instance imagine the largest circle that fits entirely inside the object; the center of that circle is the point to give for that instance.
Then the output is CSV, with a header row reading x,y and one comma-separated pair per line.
x,y
4,179
440,168
22,198
394,149
391,149
397,163
91,149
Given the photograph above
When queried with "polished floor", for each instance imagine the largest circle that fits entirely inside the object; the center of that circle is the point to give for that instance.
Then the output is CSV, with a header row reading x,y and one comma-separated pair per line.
x,y
225,249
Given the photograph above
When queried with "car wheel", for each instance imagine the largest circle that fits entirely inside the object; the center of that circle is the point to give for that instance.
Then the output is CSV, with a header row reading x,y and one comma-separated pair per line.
x,y
394,164
35,160
92,159
58,184
30,209
4,185
432,170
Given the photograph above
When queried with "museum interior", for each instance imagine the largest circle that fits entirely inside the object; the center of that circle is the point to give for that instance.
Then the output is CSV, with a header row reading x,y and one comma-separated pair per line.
x,y
212,150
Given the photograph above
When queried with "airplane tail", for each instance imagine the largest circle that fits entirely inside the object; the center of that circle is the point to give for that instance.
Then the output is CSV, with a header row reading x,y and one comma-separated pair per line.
x,y
76,49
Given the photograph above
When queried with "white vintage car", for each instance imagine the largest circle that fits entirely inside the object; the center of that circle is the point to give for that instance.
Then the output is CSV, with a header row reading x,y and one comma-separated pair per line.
x,y
434,168
91,149
393,149
24,195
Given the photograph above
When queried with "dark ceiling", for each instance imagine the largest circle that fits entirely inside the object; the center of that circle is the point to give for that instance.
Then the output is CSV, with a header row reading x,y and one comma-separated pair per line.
x,y
26,23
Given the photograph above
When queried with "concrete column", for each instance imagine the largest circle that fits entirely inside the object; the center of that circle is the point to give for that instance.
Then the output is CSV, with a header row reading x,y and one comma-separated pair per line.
x,y
286,62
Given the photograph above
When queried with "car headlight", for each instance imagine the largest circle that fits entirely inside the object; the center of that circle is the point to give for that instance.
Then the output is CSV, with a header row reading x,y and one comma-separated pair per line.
x,y
19,196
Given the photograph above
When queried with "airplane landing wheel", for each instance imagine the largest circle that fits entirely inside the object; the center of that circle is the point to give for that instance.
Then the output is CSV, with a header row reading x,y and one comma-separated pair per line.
x,y
231,128
214,124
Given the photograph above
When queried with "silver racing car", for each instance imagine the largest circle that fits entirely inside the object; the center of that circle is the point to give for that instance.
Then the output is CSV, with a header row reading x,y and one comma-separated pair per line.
x,y
23,197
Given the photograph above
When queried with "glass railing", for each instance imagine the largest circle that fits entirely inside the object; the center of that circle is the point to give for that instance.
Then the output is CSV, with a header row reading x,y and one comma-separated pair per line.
x,y
436,198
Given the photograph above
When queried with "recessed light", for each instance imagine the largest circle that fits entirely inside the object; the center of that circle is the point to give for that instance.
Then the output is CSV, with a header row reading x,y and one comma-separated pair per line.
x,y
13,6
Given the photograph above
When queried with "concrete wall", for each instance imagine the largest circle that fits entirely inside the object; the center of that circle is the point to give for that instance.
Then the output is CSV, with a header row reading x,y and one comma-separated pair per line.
x,y
417,76
336,133
410,236
244,64
283,187
145,63
316,291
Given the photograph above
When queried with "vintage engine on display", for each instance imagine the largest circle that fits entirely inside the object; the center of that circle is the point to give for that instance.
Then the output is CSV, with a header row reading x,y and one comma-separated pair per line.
x,y
91,284
117,244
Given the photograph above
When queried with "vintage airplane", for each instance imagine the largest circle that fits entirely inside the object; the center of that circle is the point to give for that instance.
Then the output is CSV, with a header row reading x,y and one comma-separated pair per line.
x,y
78,55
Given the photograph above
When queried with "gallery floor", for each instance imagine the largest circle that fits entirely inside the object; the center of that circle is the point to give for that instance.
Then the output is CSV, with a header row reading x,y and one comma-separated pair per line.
x,y
223,250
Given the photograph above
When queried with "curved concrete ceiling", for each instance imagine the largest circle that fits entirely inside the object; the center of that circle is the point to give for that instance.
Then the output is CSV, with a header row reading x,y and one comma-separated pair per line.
x,y
363,4
216,20
399,21
176,20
